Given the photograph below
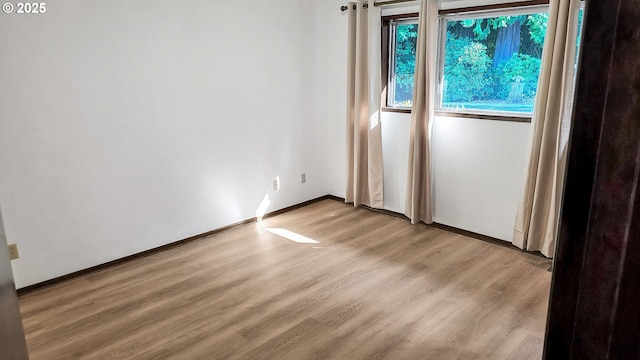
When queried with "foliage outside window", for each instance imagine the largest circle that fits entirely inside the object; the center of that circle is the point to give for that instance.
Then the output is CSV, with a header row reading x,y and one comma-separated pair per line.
x,y
493,63
404,36
488,64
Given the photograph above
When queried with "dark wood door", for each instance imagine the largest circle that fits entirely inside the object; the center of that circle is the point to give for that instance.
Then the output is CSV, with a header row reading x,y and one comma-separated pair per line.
x,y
594,311
12,341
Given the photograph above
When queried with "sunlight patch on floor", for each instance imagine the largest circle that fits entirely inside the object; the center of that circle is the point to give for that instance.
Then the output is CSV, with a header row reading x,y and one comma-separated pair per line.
x,y
290,235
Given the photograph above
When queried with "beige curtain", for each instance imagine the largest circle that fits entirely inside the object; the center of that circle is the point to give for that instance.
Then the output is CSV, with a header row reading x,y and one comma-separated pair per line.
x,y
364,136
418,205
538,214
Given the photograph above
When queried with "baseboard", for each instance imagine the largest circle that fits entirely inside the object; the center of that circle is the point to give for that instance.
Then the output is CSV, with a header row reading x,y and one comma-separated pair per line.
x,y
477,236
31,288
336,198
48,283
471,234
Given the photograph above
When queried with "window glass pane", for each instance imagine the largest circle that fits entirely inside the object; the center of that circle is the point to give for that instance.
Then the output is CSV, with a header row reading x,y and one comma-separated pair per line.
x,y
493,63
404,62
579,38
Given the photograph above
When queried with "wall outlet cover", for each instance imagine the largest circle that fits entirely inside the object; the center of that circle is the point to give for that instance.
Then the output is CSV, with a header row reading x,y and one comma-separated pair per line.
x,y
13,251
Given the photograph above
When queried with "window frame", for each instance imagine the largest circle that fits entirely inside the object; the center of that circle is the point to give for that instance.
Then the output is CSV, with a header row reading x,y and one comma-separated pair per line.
x,y
387,42
475,13
508,7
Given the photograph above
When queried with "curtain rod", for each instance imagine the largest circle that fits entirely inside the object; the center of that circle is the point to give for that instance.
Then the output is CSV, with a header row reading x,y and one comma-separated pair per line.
x,y
378,3
345,7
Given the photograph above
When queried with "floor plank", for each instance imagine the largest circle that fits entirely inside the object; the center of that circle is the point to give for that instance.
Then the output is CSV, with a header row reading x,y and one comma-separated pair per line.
x,y
373,287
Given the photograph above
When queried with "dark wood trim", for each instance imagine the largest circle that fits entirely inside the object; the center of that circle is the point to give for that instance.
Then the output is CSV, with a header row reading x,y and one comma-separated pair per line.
x,y
482,116
385,44
110,264
335,198
387,212
593,309
510,5
385,41
392,2
471,234
470,8
463,115
485,238
396,110
407,16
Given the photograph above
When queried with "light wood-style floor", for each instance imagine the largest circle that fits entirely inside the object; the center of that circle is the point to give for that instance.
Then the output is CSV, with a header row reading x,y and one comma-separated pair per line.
x,y
374,287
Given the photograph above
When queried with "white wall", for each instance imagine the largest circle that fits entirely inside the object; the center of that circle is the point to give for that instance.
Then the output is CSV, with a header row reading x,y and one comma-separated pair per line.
x,y
127,125
336,87
396,129
479,168
478,171
478,165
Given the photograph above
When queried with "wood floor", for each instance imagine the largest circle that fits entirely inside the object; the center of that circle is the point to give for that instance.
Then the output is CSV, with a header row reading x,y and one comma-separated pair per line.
x,y
374,287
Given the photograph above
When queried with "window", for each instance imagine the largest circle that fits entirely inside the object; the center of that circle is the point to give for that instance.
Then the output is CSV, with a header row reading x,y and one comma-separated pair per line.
x,y
489,60
491,63
403,34
579,37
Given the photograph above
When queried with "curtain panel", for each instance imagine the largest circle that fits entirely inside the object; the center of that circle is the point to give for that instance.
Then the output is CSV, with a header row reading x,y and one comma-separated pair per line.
x,y
538,214
364,135
419,195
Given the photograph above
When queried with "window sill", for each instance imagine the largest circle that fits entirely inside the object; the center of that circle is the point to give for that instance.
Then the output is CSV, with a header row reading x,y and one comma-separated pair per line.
x,y
466,115
485,116
397,110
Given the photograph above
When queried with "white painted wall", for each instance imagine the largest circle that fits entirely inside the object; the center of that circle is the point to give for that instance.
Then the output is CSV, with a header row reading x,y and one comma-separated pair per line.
x,y
479,168
127,125
396,129
478,165
336,87
478,171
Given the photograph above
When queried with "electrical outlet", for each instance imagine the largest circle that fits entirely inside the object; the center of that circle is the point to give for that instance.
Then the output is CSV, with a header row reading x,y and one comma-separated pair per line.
x,y
13,252
276,184
303,178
